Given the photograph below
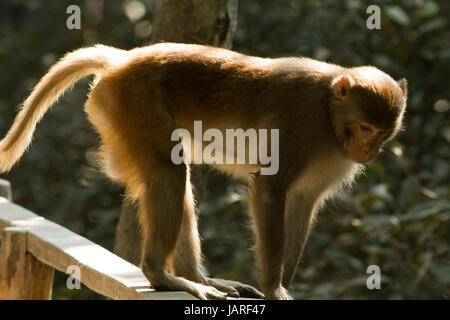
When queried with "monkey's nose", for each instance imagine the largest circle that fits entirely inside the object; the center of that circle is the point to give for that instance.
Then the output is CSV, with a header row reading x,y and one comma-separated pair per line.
x,y
366,155
365,152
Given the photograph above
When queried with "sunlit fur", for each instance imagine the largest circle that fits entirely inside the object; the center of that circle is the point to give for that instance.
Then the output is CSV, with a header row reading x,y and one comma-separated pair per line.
x,y
139,97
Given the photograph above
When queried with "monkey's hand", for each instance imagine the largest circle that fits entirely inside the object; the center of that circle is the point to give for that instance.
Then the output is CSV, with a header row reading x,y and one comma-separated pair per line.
x,y
234,288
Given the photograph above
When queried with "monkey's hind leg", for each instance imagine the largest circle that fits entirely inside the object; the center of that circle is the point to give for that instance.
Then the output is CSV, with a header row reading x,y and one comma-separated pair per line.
x,y
160,211
136,152
187,259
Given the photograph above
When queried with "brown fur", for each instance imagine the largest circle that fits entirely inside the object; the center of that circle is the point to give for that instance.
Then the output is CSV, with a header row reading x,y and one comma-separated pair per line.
x,y
140,96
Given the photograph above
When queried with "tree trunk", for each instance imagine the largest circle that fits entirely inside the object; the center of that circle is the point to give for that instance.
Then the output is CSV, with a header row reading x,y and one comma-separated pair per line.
x,y
209,22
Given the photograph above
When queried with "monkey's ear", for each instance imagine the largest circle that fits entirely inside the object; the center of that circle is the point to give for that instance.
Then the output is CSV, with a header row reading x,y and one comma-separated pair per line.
x,y
404,86
342,85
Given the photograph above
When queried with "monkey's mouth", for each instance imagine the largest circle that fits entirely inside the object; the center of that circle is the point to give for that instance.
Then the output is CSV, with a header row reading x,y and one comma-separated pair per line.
x,y
358,154
360,157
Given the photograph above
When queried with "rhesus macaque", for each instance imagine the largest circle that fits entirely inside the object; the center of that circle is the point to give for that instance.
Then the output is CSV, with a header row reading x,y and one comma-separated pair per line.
x,y
331,120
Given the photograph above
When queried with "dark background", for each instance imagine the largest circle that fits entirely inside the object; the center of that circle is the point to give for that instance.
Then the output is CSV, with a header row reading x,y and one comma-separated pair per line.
x,y
397,214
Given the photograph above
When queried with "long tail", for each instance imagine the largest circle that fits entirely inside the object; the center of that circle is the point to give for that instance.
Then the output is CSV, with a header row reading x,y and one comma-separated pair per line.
x,y
62,76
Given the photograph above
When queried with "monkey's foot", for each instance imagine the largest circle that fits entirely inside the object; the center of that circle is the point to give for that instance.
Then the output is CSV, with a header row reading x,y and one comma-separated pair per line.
x,y
166,282
279,293
204,292
234,288
201,291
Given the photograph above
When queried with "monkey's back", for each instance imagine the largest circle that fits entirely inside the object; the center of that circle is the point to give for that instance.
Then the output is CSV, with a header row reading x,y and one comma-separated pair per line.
x,y
206,82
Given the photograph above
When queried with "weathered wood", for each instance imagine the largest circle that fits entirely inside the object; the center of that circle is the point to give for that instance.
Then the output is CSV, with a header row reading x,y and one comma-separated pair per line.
x,y
5,189
22,276
58,247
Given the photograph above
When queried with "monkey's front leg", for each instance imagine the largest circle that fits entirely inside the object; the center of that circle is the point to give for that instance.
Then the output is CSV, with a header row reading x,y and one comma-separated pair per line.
x,y
266,204
187,259
299,214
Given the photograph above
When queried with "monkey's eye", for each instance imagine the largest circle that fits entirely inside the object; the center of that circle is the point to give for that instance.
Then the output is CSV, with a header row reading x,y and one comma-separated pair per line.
x,y
365,128
348,132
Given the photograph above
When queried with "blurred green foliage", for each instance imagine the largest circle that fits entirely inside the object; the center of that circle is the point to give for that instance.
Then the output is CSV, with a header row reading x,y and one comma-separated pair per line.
x,y
396,216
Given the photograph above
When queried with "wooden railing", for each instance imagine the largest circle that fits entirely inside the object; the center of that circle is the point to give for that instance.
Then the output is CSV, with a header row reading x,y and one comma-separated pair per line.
x,y
32,247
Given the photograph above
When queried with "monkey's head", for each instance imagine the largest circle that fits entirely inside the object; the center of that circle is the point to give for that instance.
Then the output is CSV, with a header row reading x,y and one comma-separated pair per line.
x,y
367,110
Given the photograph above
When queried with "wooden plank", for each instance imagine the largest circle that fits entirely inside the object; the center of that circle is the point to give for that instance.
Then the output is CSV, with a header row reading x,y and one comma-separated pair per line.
x,y
10,213
5,189
22,276
101,270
